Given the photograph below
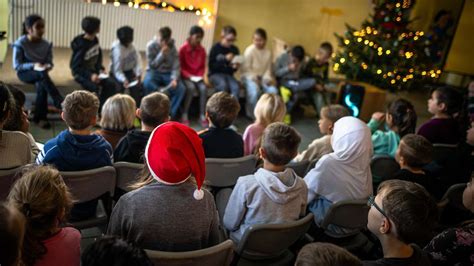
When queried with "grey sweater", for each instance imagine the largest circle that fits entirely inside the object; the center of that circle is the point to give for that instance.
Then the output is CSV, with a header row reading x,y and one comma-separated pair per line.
x,y
265,197
163,62
26,53
281,70
166,218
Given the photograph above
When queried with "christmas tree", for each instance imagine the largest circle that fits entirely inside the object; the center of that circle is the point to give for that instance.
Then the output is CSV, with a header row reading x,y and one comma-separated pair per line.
x,y
385,52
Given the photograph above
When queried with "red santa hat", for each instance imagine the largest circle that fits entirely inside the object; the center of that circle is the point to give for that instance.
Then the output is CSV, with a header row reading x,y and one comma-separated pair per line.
x,y
173,153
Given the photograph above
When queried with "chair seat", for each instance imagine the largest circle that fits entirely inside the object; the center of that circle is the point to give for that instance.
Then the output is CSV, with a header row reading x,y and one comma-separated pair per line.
x,y
99,219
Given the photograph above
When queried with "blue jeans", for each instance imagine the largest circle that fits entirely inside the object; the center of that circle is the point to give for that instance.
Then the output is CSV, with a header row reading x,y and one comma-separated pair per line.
x,y
254,90
225,82
154,80
304,84
44,86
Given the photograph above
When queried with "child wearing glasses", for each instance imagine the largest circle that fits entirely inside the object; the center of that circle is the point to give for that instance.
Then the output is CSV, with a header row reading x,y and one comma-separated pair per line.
x,y
401,216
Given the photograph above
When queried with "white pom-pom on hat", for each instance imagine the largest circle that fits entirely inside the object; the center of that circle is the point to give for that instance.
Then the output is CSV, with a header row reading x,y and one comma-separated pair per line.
x,y
198,194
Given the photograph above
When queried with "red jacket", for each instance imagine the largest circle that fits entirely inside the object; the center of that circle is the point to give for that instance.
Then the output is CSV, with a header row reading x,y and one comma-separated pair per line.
x,y
192,60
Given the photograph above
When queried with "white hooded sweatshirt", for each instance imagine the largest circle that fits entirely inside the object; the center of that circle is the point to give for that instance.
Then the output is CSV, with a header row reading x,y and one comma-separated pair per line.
x,y
263,198
345,173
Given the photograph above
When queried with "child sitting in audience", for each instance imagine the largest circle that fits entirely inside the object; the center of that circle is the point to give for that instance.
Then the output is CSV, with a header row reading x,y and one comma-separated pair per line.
x,y
325,254
257,71
319,147
270,108
163,69
343,174
289,72
444,104
167,212
318,68
154,110
18,120
192,60
86,61
413,153
76,148
219,140
126,63
401,215
223,63
400,119
15,146
118,115
454,246
42,196
12,231
274,194
33,59
113,251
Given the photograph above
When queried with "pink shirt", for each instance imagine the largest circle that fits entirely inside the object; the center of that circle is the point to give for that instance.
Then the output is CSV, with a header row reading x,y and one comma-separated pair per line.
x,y
64,248
251,137
192,60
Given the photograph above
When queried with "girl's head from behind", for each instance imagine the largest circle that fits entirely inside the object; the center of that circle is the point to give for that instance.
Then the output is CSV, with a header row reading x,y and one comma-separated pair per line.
x,y
329,115
111,250
18,119
401,117
42,196
270,108
12,231
444,101
7,103
34,27
118,112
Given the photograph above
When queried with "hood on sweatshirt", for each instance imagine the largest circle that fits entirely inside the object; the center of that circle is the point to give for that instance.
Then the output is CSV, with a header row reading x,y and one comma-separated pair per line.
x,y
79,148
281,187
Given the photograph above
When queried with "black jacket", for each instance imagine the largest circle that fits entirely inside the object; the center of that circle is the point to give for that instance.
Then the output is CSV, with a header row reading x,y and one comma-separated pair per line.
x,y
86,57
132,147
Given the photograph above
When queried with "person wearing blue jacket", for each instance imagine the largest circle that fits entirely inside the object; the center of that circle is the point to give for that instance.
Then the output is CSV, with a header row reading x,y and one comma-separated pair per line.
x,y
32,60
86,61
76,148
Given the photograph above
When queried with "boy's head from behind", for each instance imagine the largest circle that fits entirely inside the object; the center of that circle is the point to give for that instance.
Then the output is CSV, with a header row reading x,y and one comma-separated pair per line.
x,y
222,109
154,109
80,109
125,35
325,254
269,108
329,115
324,52
111,250
414,151
43,198
279,144
12,231
402,210
90,25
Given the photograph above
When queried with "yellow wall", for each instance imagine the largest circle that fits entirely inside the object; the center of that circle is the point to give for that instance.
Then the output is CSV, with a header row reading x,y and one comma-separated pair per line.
x,y
310,22
3,27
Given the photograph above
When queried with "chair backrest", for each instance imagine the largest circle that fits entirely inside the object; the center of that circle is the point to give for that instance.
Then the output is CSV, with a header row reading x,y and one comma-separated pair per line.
x,y
90,184
225,172
299,167
453,196
7,178
217,255
443,153
271,240
349,214
383,167
127,174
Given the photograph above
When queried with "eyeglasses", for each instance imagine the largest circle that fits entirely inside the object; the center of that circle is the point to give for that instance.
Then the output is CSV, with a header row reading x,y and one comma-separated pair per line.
x,y
371,202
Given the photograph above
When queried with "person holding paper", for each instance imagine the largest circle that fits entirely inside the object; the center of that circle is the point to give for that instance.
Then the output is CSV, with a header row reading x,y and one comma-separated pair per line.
x,y
32,60
192,58
224,61
86,61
